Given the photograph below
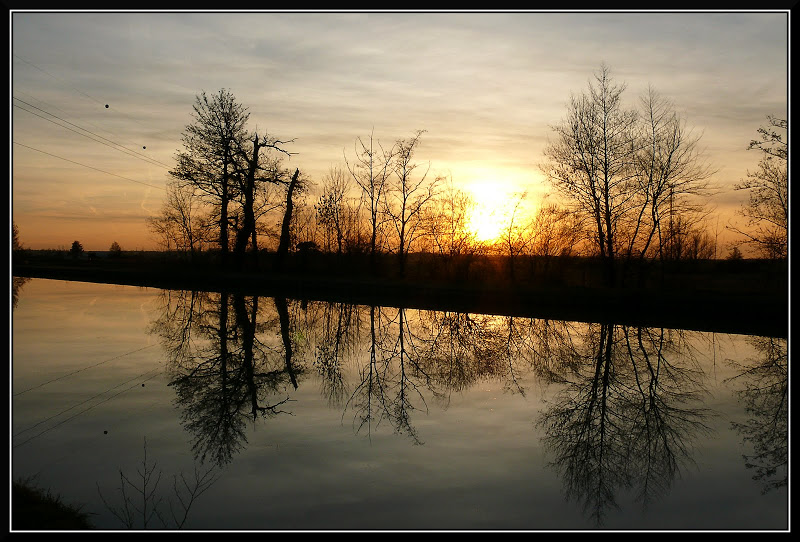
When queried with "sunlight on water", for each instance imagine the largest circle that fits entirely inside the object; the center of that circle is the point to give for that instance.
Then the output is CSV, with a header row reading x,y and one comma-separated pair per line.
x,y
331,416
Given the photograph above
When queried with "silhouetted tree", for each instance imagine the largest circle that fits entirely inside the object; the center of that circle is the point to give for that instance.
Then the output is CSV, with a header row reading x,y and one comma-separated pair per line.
x,y
331,206
76,249
221,370
251,172
211,143
371,170
767,211
182,224
765,392
623,170
515,236
115,251
285,240
669,170
408,195
16,244
590,161
626,416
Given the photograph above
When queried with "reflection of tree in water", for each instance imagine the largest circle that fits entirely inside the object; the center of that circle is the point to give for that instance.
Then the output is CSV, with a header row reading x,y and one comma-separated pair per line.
x,y
625,417
765,393
392,383
16,287
339,326
226,367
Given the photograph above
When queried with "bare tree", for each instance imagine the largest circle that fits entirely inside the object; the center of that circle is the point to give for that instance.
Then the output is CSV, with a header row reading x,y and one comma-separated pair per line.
x,y
626,171
555,232
181,224
210,146
515,237
447,228
590,161
767,210
16,244
331,205
408,196
252,172
283,246
371,170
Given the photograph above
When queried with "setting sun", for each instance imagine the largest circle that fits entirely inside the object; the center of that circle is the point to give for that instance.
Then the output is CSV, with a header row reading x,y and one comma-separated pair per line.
x,y
491,212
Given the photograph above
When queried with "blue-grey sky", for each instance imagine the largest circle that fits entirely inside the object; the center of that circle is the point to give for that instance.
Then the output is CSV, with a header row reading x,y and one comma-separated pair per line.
x,y
486,87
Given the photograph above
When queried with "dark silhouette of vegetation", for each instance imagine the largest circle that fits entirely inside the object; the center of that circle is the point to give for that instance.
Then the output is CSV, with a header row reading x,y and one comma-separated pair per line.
x,y
141,501
16,287
115,251
283,246
628,409
181,225
622,171
371,170
37,509
767,210
626,417
207,162
226,166
408,196
632,180
16,243
76,250
764,389
222,369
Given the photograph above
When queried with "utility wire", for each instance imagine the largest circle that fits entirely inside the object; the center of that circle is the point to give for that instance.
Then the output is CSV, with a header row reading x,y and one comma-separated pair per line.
x,y
79,370
118,147
76,90
17,91
57,78
86,409
90,167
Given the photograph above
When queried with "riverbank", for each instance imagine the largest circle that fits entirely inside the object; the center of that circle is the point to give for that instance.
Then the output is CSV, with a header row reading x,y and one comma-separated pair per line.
x,y
747,303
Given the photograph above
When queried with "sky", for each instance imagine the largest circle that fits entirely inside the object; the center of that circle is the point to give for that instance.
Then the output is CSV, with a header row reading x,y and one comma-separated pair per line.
x,y
486,87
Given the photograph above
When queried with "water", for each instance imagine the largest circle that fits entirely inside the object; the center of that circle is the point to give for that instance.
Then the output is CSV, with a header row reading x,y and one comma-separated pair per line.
x,y
387,419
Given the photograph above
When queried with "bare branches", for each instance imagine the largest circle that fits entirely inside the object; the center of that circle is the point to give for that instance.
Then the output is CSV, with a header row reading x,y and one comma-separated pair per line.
x,y
767,209
141,500
624,171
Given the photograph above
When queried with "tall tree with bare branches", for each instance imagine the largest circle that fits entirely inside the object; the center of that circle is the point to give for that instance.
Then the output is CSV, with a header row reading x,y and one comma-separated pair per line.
x,y
409,194
211,142
371,170
767,209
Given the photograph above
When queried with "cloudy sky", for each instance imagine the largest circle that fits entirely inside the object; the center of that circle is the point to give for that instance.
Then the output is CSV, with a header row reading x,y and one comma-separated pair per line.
x,y
485,86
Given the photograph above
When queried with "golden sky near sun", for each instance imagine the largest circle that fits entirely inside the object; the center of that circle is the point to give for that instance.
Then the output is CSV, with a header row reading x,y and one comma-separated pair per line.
x,y
486,87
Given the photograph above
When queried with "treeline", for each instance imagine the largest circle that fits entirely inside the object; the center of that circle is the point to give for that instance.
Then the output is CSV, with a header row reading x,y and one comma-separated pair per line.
x,y
633,186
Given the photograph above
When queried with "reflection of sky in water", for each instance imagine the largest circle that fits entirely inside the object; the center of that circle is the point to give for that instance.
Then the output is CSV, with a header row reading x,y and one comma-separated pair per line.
x,y
482,464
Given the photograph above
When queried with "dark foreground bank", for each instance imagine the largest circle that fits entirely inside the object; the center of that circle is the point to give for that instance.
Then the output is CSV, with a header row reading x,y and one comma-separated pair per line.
x,y
749,300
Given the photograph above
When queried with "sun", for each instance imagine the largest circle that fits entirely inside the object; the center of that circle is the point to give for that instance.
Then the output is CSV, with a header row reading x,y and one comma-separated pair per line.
x,y
490,214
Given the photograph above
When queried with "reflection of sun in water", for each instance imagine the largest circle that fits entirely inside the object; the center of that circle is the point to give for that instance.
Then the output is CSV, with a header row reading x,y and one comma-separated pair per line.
x,y
490,214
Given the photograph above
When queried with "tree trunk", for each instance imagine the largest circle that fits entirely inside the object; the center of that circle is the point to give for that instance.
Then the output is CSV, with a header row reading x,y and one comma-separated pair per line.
x,y
283,245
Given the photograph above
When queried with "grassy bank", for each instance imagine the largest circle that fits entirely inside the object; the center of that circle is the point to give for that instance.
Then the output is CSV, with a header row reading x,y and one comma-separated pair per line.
x,y
33,508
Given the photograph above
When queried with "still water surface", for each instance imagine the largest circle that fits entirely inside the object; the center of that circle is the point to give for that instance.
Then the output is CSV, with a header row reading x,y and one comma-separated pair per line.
x,y
282,414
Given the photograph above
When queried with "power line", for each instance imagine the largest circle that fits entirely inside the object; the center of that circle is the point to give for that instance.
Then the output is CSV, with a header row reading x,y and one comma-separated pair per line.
x,y
17,91
54,77
79,370
86,409
37,424
107,106
90,167
118,147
